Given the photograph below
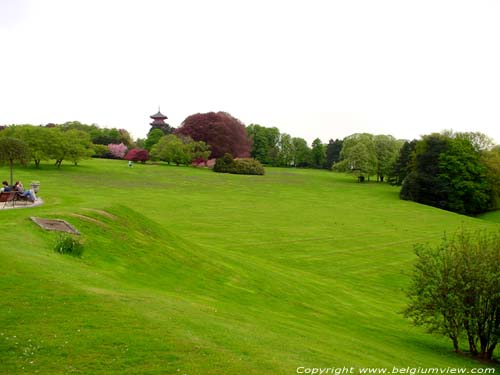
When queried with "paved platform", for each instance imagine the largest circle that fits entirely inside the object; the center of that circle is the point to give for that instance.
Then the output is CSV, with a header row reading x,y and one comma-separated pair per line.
x,y
21,204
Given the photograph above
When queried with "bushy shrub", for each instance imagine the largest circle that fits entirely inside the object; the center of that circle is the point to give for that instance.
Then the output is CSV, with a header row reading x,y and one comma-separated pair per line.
x,y
137,154
118,151
247,166
68,244
224,164
101,151
227,164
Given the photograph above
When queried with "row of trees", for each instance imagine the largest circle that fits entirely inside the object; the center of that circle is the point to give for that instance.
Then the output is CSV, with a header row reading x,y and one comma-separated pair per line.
x,y
52,143
459,172
98,135
271,147
72,142
220,132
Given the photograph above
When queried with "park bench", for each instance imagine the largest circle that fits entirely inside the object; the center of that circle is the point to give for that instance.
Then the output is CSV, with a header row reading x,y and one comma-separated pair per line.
x,y
12,197
8,196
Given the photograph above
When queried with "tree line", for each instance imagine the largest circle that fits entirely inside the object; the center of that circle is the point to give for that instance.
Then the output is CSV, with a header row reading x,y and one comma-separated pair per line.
x,y
458,172
271,147
51,143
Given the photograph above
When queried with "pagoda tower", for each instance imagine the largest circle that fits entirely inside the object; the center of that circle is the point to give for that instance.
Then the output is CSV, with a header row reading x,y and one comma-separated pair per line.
x,y
159,123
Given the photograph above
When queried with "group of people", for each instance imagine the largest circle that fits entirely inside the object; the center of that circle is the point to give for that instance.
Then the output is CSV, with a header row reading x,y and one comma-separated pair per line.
x,y
19,189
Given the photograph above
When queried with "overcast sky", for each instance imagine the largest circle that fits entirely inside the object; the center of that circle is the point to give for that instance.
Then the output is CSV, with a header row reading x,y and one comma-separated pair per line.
x,y
311,68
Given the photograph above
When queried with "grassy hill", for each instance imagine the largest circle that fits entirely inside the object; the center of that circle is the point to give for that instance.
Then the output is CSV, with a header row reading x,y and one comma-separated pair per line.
x,y
186,271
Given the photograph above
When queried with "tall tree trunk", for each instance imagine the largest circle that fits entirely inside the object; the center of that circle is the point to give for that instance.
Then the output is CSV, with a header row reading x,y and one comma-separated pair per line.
x,y
491,349
471,338
456,347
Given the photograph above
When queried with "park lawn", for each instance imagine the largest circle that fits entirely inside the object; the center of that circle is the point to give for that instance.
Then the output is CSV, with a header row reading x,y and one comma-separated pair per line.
x,y
186,271
493,216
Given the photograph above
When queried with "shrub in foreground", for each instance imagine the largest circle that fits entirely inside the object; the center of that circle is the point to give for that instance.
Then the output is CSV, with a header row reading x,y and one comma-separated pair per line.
x,y
227,164
68,244
455,290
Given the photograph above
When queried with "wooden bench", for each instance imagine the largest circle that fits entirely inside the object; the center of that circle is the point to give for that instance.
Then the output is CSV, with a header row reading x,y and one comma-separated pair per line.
x,y
8,196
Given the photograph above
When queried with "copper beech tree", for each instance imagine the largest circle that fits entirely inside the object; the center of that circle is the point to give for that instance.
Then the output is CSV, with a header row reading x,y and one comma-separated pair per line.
x,y
224,133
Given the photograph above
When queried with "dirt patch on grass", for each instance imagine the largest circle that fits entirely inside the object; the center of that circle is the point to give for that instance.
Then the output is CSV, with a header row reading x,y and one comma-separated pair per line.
x,y
55,224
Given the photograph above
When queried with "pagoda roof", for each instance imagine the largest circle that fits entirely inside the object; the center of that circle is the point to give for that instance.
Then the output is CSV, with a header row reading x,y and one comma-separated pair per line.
x,y
158,122
158,115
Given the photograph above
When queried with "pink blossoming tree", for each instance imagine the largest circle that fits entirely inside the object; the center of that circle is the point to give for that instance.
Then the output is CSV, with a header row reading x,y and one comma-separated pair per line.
x,y
118,151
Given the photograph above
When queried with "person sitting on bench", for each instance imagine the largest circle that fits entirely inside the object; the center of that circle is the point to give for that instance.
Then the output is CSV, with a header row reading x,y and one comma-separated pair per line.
x,y
26,194
6,188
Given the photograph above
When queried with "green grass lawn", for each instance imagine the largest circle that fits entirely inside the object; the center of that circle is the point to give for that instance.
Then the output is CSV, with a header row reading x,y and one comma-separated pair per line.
x,y
186,271
493,216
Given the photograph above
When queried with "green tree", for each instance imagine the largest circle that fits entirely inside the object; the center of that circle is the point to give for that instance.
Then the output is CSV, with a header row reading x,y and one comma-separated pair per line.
x,y
402,166
106,136
447,172
170,149
285,154
12,150
301,153
333,152
71,144
491,161
386,148
153,138
318,153
359,155
462,174
35,137
478,140
455,290
423,184
265,143
179,150
199,150
79,146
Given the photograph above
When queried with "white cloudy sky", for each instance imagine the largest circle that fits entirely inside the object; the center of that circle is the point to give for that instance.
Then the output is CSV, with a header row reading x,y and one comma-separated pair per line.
x,y
312,68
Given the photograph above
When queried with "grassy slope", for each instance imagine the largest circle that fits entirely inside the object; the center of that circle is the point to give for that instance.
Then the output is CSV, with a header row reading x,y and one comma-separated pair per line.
x,y
493,216
191,272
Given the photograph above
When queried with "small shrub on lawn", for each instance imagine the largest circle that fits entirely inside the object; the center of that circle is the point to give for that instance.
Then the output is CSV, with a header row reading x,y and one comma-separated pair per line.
x,y
68,244
224,164
247,166
227,164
